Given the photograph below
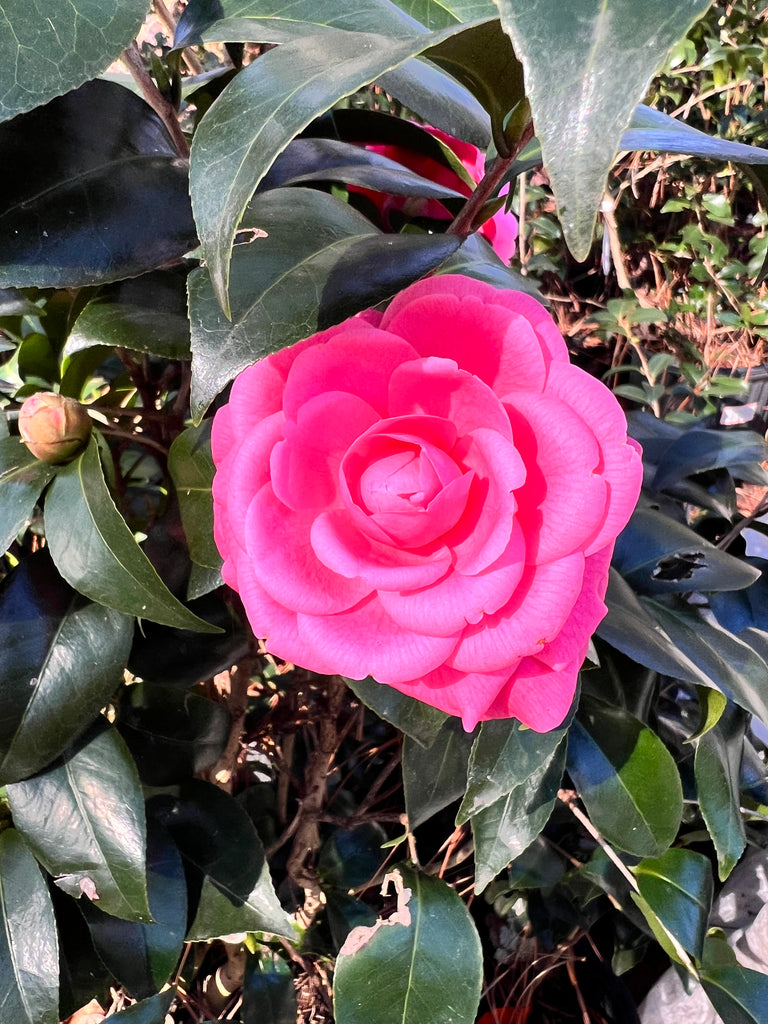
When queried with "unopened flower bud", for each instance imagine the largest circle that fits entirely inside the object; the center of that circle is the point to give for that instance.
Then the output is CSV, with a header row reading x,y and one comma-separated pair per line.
x,y
53,427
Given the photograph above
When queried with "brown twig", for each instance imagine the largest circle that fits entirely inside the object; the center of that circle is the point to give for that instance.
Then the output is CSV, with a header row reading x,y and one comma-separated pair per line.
x,y
164,110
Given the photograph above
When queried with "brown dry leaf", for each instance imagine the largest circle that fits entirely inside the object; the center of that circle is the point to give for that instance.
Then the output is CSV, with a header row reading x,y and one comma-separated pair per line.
x,y
92,1013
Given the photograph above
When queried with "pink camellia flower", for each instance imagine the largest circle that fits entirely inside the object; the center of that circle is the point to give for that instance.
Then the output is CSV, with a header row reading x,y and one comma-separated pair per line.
x,y
430,497
500,230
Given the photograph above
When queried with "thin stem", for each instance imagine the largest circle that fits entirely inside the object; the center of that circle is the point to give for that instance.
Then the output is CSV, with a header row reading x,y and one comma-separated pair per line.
x,y
164,110
464,223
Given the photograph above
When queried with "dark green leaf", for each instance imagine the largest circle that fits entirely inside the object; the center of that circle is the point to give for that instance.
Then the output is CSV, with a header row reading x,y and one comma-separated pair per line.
x,y
47,51
148,1011
739,995
717,767
502,830
699,450
653,130
440,13
439,100
477,259
91,190
483,60
626,777
172,734
726,661
191,468
419,721
29,957
217,838
61,660
96,553
655,554
84,821
405,960
22,479
351,857
574,55
231,154
435,776
142,956
293,282
678,888
144,315
504,756
631,629
269,994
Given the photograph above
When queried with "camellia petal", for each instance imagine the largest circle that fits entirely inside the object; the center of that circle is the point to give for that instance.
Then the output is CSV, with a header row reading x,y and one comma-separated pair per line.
x,y
432,501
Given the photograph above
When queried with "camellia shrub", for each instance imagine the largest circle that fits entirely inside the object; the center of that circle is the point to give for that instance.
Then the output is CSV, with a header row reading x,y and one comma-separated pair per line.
x,y
361,657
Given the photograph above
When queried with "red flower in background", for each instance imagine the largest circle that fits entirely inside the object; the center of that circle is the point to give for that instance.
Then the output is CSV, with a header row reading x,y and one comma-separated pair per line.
x,y
500,230
429,496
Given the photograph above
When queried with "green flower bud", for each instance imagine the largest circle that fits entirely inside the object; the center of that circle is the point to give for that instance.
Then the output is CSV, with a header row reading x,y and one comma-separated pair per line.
x,y
53,427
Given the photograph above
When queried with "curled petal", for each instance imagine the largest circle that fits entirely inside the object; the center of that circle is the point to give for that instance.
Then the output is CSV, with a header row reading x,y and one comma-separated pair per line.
x,y
468,695
536,695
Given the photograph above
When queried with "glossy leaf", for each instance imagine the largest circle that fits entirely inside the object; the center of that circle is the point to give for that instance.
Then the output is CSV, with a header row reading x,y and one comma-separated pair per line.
x,y
656,554
738,994
717,767
147,314
143,955
291,283
573,56
653,130
61,660
292,19
727,662
678,888
406,959
482,59
84,821
269,995
22,480
191,467
626,777
438,13
435,776
476,258
699,450
231,154
504,756
504,829
172,734
630,628
96,553
45,52
217,839
148,1011
29,956
419,721
108,201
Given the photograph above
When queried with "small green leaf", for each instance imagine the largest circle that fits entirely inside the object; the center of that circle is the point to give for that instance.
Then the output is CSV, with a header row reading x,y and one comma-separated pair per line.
x,y
22,480
191,468
419,721
146,314
435,776
29,955
678,888
573,56
739,995
504,757
626,777
61,661
504,829
84,821
717,767
45,52
405,959
96,553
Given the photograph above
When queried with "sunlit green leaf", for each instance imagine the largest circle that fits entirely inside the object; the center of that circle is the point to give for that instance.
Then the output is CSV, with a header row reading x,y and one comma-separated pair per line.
x,y
717,767
435,776
678,888
413,718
